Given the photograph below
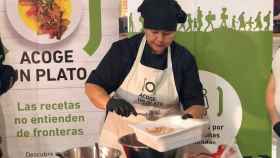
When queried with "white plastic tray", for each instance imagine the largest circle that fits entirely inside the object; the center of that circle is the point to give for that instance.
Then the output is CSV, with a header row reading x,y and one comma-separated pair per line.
x,y
186,132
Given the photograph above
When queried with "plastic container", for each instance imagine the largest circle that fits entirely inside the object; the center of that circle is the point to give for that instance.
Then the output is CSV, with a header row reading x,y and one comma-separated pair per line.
x,y
185,132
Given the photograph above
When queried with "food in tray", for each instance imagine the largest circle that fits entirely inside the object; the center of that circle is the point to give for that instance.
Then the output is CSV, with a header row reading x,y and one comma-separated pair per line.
x,y
159,130
51,17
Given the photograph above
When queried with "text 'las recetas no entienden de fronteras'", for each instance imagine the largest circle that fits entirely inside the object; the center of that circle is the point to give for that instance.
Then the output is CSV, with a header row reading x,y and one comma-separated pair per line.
x,y
56,119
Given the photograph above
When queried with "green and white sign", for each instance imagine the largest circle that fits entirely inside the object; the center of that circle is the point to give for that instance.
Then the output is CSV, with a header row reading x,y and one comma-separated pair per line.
x,y
232,42
53,52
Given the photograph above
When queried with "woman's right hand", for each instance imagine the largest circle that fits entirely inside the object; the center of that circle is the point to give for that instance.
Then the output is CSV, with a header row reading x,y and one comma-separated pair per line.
x,y
121,107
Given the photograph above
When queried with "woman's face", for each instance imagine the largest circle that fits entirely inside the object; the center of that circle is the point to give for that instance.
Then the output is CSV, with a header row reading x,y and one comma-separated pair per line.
x,y
159,40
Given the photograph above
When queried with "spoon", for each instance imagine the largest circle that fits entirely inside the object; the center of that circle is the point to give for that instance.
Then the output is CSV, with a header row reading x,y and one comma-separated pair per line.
x,y
151,115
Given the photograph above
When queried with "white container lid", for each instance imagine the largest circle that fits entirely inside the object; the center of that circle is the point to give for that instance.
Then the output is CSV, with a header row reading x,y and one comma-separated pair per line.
x,y
185,132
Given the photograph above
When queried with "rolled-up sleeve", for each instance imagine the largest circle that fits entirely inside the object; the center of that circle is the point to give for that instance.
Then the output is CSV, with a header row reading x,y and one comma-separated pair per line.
x,y
108,72
191,93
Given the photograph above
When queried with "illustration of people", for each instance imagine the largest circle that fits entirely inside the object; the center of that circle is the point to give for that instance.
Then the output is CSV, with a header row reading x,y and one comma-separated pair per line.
x,y
199,19
242,23
267,20
131,24
233,23
182,27
194,24
190,23
141,20
258,22
209,19
224,18
250,23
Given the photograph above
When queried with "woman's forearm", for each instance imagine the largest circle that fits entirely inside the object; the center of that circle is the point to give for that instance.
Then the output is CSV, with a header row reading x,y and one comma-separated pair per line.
x,y
97,95
270,101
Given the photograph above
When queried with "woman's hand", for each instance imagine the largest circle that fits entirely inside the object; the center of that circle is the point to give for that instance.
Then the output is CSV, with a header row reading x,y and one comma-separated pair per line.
x,y
100,98
195,111
121,107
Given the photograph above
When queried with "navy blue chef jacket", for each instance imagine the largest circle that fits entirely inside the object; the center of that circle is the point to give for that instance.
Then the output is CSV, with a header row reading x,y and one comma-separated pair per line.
x,y
117,63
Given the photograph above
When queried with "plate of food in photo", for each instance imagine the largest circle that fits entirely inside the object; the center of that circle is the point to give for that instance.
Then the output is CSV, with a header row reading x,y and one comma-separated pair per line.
x,y
44,21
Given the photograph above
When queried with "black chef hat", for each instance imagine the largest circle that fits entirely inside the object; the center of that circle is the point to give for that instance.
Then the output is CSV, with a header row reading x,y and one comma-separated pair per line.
x,y
162,14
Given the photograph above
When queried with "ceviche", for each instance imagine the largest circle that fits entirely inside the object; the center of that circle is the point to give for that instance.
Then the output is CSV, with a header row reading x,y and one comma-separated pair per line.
x,y
49,16
160,130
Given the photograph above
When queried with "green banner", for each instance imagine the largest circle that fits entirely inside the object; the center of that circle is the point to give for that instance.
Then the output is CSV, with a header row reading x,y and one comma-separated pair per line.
x,y
232,43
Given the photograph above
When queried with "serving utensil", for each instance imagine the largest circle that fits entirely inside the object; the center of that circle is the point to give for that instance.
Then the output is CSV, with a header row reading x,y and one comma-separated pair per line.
x,y
151,115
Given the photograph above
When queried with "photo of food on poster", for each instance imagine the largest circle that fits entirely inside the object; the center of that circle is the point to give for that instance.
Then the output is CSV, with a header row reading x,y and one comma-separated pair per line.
x,y
53,45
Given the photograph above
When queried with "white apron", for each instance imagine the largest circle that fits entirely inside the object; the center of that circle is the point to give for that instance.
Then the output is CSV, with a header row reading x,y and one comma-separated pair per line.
x,y
144,86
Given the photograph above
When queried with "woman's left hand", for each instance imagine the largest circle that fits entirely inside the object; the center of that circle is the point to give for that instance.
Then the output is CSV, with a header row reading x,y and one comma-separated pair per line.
x,y
197,111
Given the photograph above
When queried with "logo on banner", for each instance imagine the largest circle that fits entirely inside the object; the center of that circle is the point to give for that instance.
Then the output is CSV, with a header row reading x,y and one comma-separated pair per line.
x,y
224,109
147,97
95,27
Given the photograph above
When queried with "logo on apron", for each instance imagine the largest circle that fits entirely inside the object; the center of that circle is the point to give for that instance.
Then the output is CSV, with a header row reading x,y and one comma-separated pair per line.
x,y
147,97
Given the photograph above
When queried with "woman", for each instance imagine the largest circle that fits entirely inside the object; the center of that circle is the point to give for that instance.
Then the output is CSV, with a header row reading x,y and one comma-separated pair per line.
x,y
273,94
148,71
273,97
